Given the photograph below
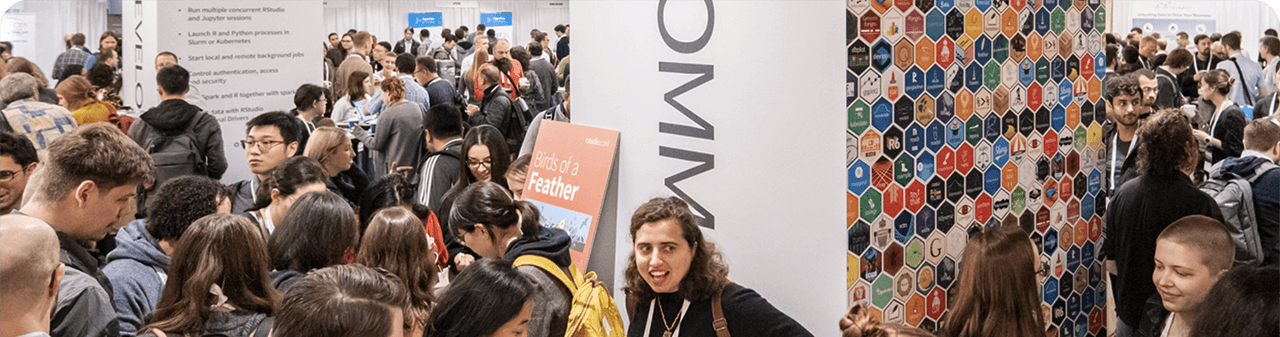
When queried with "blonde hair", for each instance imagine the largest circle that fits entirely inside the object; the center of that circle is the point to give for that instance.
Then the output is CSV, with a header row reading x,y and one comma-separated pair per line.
x,y
322,143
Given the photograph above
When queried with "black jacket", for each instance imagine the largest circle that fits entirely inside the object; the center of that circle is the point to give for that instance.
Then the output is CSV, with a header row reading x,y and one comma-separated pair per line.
x,y
1134,220
399,48
746,312
1229,130
551,298
171,117
495,106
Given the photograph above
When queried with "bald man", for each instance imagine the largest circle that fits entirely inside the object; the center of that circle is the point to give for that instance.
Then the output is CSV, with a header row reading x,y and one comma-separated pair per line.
x,y
29,276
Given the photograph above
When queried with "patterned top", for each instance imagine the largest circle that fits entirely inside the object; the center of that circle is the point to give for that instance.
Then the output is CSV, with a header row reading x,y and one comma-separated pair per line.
x,y
72,57
41,122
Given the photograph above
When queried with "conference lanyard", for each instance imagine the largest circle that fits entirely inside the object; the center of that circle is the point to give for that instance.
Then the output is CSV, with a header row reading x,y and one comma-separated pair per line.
x,y
1115,147
679,318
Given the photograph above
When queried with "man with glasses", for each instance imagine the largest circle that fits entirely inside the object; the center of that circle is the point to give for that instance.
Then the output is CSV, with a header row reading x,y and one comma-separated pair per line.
x,y
270,139
1158,92
18,161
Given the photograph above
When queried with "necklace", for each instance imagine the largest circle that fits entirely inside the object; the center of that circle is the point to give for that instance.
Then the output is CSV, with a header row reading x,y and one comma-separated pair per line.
x,y
670,327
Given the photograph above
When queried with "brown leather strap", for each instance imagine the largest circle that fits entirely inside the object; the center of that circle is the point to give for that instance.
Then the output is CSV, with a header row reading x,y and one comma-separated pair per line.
x,y
717,314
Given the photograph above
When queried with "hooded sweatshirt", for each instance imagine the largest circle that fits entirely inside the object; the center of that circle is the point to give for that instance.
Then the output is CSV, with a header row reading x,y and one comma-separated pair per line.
x,y
551,298
233,324
1266,199
137,270
172,117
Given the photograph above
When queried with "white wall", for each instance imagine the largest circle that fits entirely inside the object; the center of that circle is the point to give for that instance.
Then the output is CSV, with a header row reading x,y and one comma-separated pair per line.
x,y
56,18
387,19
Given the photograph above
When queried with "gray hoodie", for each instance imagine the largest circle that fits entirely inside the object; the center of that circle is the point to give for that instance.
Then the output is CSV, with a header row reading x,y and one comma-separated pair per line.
x,y
137,270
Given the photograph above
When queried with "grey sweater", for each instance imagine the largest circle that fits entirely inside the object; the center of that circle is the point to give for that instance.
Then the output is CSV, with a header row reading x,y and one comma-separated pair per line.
x,y
398,140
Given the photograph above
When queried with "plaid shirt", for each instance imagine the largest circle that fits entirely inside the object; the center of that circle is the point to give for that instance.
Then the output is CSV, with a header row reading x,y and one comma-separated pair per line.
x,y
41,122
75,56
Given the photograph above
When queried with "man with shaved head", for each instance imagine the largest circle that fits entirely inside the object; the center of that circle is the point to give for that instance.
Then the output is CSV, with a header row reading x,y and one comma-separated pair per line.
x,y
29,275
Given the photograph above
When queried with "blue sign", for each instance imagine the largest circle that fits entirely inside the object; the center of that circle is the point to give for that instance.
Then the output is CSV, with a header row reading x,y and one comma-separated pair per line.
x,y
1026,72
973,76
859,177
882,114
925,166
935,81
426,20
991,180
1000,152
882,55
502,19
982,49
935,24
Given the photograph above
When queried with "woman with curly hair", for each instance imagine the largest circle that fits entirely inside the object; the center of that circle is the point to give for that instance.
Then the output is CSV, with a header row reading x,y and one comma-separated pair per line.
x,y
1168,153
398,140
677,282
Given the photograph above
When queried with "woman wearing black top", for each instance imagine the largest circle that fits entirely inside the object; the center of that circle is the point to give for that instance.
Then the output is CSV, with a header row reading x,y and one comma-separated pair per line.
x,y
674,275
1227,122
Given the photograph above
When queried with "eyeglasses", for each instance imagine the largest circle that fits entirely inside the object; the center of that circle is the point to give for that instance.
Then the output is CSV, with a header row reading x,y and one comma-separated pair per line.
x,y
488,163
6,176
265,145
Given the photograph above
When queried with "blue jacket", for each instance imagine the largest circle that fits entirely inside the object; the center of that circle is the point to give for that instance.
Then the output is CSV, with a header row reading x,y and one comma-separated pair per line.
x,y
1266,200
135,268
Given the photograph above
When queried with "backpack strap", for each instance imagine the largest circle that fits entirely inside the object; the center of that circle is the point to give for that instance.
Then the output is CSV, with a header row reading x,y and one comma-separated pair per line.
x,y
550,267
717,314
1262,170
1245,86
264,327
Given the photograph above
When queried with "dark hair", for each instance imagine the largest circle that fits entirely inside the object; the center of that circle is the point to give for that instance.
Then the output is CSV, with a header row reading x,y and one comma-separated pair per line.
x,y
220,249
385,44
1269,32
521,55
996,292
305,97
355,86
1271,44
1231,41
288,176
1182,35
1241,303
425,33
1217,79
1112,51
535,49
490,204
1200,37
339,301
180,202
335,55
174,79
450,38
318,230
103,56
19,148
97,152
286,124
405,63
491,33
479,27
101,75
386,191
490,137
560,28
707,273
395,242
470,307
1167,145
1215,37
443,121
1181,58
424,63
461,33
1122,85
77,39
1136,30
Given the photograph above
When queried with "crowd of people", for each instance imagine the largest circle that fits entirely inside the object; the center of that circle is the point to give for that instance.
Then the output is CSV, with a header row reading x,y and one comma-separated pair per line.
x,y
116,226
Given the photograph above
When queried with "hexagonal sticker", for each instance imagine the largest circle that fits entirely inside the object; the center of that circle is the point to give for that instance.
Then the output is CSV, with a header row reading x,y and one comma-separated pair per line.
x,y
992,179
935,248
892,89
915,306
935,136
991,127
914,25
1050,44
946,270
902,224
983,103
1072,19
925,221
973,130
1042,71
935,81
904,54
982,48
904,169
859,177
954,24
973,77
1035,46
1050,92
944,52
1027,122
1000,48
1042,21
936,303
924,166
982,207
895,313
956,240
1000,100
973,23
1057,21
935,193
869,26
881,173
915,252
1057,72
1017,200
1009,72
1035,96
1009,23
882,290
851,147
881,54
915,196
904,112
870,205
881,232
893,258
894,25
991,23
973,184
935,24
914,82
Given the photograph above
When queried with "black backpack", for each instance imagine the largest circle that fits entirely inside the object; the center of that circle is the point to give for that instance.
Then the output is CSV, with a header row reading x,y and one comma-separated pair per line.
x,y
174,155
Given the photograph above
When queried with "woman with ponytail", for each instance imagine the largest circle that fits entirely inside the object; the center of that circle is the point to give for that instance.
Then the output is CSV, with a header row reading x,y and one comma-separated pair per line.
x,y
309,103
496,226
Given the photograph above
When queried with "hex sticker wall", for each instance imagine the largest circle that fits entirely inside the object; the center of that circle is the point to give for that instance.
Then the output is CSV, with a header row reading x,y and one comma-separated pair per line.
x,y
965,115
